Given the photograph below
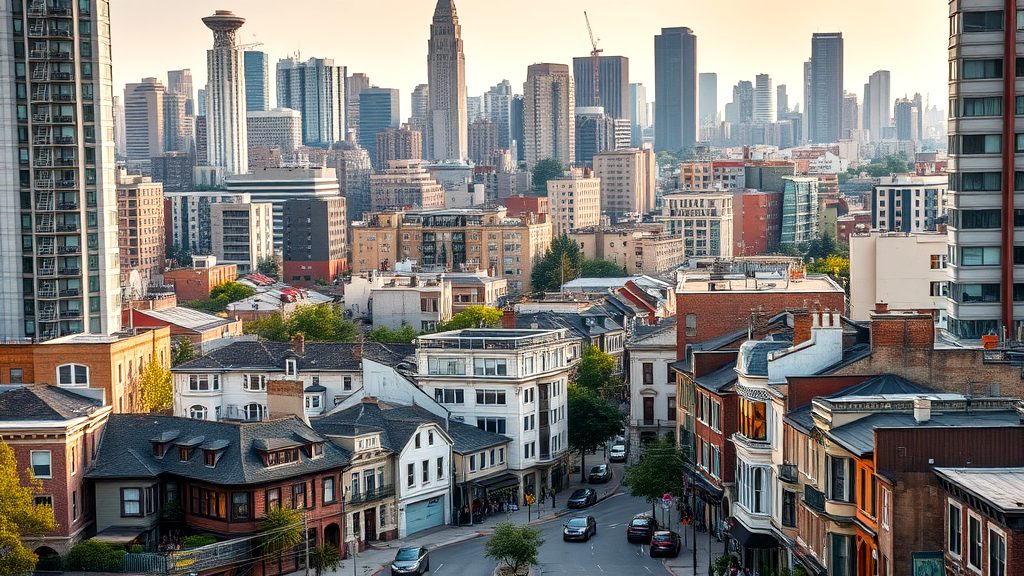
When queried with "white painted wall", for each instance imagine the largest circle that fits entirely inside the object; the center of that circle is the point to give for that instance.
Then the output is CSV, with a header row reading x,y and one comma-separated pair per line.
x,y
895,268
434,486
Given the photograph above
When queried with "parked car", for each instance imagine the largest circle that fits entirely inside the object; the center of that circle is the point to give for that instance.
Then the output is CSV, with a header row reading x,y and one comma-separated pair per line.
x,y
617,453
582,498
620,439
665,543
641,528
600,473
411,560
579,528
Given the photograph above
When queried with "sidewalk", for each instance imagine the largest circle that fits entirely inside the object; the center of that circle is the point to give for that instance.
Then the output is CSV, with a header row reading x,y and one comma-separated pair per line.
x,y
375,559
683,565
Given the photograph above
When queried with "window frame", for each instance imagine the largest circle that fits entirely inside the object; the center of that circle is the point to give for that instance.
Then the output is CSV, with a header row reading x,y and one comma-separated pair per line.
x,y
993,529
950,505
49,465
138,502
332,483
73,374
971,516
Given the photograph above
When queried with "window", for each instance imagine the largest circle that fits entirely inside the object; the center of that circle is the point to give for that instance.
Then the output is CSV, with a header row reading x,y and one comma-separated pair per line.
x,y
254,382
788,509
273,499
490,367
41,464
410,475
753,419
530,450
328,484
648,369
449,396
980,144
440,468
754,485
240,505
501,455
312,401
416,440
979,256
472,463
978,181
299,496
529,422
954,531
885,508
197,412
996,553
346,383
73,459
983,21
131,502
490,397
691,324
496,425
446,366
74,505
988,106
73,375
430,438
208,503
425,466
671,407
840,479
980,69
290,367
940,289
253,412
974,541
203,382
938,261
16,375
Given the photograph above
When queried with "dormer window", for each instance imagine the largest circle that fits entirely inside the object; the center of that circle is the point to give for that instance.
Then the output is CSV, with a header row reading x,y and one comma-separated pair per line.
x,y
290,367
209,458
279,457
316,450
158,449
184,453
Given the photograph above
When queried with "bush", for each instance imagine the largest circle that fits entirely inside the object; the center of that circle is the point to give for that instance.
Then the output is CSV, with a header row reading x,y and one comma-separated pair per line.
x,y
197,540
93,555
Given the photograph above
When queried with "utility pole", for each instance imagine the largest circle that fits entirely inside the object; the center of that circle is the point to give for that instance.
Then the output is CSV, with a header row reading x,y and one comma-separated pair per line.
x,y
305,537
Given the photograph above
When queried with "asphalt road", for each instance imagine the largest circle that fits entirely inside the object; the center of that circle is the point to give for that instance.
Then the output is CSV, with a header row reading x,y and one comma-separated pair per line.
x,y
606,553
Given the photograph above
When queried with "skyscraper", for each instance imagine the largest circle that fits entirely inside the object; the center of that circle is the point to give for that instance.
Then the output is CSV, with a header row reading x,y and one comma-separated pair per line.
x,y
781,101
743,103
851,114
378,111
354,84
638,113
517,121
805,129
876,115
316,88
907,116
59,269
708,95
764,100
498,109
177,124
419,102
613,84
119,132
825,114
549,122
483,141
257,81
227,145
675,89
180,82
446,72
144,119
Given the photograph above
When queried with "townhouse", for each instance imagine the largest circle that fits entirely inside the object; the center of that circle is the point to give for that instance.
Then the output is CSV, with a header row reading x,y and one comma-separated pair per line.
x,y
652,387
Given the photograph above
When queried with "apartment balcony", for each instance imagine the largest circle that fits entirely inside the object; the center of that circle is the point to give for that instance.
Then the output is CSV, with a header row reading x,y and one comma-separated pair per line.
x,y
378,493
70,314
70,293
753,446
652,423
788,473
68,228
67,250
69,271
814,499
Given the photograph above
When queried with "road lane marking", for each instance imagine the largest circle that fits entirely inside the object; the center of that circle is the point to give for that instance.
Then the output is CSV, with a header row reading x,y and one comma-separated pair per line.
x,y
438,568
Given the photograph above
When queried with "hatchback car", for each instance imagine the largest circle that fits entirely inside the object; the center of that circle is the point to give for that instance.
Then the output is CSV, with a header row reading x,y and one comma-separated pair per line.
x,y
582,498
617,453
600,473
579,528
641,528
665,543
412,560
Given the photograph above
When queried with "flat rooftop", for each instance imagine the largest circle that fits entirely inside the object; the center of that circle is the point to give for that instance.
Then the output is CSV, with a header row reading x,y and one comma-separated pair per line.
x,y
697,282
491,338
1002,487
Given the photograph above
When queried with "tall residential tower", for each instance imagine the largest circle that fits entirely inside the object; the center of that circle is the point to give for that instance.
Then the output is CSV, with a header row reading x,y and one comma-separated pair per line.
x,y
227,143
675,89
447,120
825,108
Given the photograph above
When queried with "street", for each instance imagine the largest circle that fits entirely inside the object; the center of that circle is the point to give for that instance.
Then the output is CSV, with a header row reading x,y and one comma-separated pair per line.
x,y
606,553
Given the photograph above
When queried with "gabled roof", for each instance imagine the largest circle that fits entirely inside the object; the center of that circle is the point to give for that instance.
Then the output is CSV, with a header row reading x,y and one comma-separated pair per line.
x,y
270,356
126,450
1002,488
194,320
576,323
47,403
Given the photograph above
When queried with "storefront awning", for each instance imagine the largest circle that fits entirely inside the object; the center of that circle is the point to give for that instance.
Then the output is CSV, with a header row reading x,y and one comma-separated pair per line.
x,y
498,482
120,534
750,539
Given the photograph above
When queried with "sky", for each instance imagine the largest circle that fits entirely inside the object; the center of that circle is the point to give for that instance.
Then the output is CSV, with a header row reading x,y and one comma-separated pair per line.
x,y
387,39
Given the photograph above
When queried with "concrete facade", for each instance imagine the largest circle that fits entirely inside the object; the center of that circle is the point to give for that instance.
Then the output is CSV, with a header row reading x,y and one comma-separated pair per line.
x,y
227,143
902,270
421,304
549,114
277,128
144,119
315,240
242,234
575,202
316,89
405,183
628,180
447,111
704,220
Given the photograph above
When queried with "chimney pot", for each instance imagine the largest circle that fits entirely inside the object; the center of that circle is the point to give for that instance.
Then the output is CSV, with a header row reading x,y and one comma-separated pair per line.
x,y
922,409
881,307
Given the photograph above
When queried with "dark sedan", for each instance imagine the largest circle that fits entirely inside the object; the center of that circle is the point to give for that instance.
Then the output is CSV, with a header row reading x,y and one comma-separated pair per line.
x,y
641,528
582,498
599,474
411,560
665,543
580,528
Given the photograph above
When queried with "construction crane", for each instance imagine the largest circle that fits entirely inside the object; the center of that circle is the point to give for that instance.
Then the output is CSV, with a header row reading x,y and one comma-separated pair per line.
x,y
595,63
254,44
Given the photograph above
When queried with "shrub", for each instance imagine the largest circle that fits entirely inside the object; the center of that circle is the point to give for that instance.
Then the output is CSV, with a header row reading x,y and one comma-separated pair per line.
x,y
197,540
96,556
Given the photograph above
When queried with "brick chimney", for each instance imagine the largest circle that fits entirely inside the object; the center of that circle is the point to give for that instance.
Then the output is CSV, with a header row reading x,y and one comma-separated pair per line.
x,y
508,318
758,324
881,307
904,330
802,323
299,343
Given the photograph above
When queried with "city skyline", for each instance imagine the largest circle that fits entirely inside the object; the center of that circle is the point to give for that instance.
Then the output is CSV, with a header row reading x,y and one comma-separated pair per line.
x,y
919,65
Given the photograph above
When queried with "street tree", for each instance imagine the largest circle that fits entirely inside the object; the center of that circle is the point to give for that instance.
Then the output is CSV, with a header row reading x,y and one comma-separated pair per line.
x,y
404,335
155,386
592,422
324,558
20,516
660,470
561,263
182,351
472,317
317,323
515,547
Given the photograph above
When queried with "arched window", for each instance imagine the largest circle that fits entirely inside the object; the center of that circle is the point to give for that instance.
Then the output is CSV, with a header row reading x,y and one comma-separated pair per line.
x,y
73,375
197,412
254,411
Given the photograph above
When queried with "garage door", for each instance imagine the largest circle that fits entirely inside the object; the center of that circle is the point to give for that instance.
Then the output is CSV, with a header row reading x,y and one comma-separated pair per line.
x,y
425,514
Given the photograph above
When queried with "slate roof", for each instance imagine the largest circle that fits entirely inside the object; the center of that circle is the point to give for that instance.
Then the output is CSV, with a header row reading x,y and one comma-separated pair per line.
x,y
873,386
858,436
47,403
194,320
753,357
126,450
718,380
468,438
265,355
576,323
644,331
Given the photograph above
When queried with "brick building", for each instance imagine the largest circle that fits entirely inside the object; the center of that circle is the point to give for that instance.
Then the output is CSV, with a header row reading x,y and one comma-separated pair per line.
x,y
195,283
519,206
54,433
757,222
984,521
140,228
315,247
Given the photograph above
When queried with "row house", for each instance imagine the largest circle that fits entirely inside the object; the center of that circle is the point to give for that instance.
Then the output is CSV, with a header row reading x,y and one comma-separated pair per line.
x,y
652,386
54,433
512,382
984,521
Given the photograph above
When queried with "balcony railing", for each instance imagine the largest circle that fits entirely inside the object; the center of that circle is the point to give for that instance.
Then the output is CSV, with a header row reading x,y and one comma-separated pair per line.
x,y
788,473
370,495
654,422
815,499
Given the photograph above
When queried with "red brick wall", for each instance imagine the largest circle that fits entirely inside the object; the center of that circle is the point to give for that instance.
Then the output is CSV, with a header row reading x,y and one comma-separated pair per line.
x,y
707,362
1014,542
757,224
905,331
803,389
295,272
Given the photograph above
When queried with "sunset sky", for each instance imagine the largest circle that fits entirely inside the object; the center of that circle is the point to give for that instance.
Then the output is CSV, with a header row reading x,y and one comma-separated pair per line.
x,y
387,39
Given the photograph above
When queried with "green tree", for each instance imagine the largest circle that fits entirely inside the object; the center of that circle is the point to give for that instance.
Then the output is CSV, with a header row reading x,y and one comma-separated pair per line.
x,y
273,327
597,370
280,531
404,335
221,296
660,470
473,317
592,421
543,171
182,351
561,263
317,323
514,546
20,516
601,268
268,266
324,557
156,389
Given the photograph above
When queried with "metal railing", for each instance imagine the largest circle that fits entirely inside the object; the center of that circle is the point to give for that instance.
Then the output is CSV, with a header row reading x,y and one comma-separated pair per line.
x,y
814,499
371,495
788,473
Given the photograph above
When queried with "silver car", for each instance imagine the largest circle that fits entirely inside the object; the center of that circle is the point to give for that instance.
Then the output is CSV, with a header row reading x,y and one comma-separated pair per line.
x,y
617,453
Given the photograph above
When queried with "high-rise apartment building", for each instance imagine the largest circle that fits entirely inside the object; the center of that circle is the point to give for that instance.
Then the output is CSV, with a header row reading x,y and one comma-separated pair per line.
x,y
876,115
742,109
278,128
177,123
354,84
707,83
447,114
187,218
518,128
227,145
403,143
173,170
628,180
781,101
703,219
639,121
907,203
316,88
675,89
420,103
851,114
58,237
799,209
574,202
353,167
144,119
612,91
483,141
120,136
549,122
140,229
257,81
595,132
242,234
405,183
764,100
474,107
805,129
825,112
201,102
180,82
907,117
315,245
498,109
378,111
